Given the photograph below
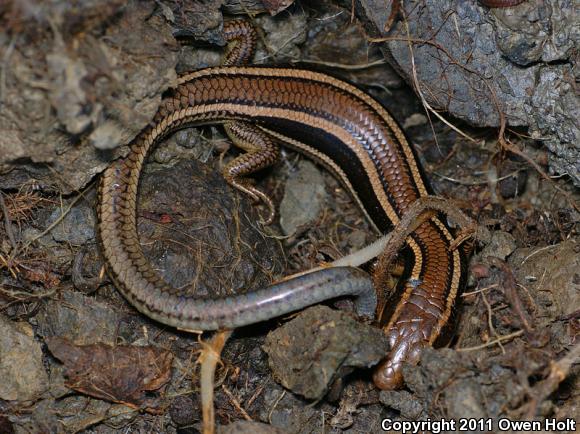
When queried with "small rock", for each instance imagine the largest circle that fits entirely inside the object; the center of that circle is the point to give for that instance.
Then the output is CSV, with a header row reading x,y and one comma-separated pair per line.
x,y
282,37
58,388
290,412
76,227
512,180
308,353
21,369
76,413
436,369
415,120
403,401
501,246
121,415
554,272
107,136
201,234
366,419
79,318
40,418
464,399
303,197
357,239
184,411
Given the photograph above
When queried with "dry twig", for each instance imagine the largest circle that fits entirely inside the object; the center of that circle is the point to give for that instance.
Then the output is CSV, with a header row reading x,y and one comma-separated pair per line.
x,y
498,340
208,359
559,370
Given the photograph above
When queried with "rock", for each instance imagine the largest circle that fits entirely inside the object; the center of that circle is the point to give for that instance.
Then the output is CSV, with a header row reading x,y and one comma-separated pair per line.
x,y
81,111
291,413
308,353
79,318
518,57
403,401
501,246
465,400
76,227
553,271
21,366
303,198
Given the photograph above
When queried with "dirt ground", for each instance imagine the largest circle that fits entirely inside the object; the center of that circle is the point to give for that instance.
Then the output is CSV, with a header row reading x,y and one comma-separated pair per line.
x,y
76,357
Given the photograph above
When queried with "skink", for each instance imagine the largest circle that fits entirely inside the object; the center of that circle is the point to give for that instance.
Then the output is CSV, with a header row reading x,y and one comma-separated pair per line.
x,y
338,126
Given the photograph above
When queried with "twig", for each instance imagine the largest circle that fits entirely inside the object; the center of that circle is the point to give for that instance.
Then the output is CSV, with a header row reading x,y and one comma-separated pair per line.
x,y
275,405
345,66
9,264
487,288
7,222
23,296
208,359
470,183
395,10
257,393
495,341
236,403
48,229
511,292
489,321
559,370
535,252
510,147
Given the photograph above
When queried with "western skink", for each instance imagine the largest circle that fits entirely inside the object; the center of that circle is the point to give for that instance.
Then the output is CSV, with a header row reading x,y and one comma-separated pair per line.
x,y
335,124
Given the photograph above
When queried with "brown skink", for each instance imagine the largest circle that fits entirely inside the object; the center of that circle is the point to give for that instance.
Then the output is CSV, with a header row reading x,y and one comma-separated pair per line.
x,y
338,126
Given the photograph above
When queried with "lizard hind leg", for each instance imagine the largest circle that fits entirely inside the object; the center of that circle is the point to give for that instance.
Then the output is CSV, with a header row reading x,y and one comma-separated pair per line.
x,y
261,151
